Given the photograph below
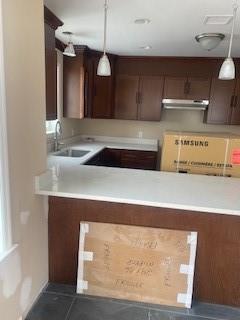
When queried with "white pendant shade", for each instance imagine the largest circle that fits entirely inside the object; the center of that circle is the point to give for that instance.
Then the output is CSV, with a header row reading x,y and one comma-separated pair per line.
x,y
227,71
69,50
104,68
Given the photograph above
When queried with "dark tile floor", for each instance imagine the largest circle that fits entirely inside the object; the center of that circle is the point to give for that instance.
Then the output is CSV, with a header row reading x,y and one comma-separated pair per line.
x,y
60,302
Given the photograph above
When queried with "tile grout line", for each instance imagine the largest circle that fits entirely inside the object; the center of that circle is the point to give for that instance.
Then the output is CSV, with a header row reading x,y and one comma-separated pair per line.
x,y
175,312
68,313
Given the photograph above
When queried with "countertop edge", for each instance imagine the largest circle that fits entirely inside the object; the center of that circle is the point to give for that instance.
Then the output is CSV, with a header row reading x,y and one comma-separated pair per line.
x,y
139,202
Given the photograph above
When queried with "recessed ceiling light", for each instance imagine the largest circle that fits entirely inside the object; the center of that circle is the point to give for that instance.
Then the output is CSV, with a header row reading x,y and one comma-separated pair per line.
x,y
142,21
146,47
218,19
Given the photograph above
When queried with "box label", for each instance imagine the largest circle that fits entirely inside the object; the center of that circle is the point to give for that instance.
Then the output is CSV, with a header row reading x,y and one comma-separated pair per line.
x,y
236,156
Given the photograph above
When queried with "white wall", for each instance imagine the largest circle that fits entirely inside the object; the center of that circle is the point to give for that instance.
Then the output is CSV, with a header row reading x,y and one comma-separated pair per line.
x,y
25,271
171,120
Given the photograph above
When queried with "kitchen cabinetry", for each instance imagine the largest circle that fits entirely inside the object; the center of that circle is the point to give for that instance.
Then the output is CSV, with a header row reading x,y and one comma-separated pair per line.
x,y
146,160
126,97
50,25
102,91
150,95
133,159
74,82
222,100
193,88
85,93
235,114
138,98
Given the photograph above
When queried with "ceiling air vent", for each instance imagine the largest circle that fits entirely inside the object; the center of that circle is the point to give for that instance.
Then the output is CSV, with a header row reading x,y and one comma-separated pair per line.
x,y
218,19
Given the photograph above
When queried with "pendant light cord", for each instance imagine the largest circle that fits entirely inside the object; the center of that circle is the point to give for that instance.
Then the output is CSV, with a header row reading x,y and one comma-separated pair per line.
x,y
235,7
105,27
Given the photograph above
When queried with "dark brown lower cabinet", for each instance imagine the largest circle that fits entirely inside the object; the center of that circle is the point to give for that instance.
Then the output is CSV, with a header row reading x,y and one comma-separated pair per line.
x,y
132,159
216,278
138,159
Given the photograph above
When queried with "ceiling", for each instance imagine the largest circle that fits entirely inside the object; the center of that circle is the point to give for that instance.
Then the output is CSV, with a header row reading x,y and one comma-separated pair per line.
x,y
173,26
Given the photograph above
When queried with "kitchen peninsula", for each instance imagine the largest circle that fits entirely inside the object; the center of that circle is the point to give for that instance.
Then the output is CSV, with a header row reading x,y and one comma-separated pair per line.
x,y
208,205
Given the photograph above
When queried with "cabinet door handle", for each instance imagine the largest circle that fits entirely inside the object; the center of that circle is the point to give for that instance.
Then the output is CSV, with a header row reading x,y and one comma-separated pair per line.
x,y
187,87
236,102
140,98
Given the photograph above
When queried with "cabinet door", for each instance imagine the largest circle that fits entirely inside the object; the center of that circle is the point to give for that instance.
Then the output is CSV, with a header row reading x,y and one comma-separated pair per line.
x,y
175,88
51,73
102,103
198,88
73,87
126,97
112,157
133,159
221,99
235,116
151,93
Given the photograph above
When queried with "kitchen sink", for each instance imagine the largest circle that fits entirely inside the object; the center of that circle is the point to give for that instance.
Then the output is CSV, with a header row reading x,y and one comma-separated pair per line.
x,y
72,153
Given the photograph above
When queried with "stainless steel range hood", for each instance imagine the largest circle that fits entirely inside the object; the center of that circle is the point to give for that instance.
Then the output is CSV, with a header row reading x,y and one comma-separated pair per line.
x,y
185,104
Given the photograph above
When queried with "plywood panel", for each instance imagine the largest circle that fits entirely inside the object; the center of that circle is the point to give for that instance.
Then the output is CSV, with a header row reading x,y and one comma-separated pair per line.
x,y
136,263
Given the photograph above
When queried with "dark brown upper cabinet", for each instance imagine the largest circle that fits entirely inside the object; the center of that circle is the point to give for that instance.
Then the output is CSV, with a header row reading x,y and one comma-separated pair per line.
x,y
102,91
235,114
126,97
198,88
193,88
174,88
138,98
51,24
222,100
150,98
74,77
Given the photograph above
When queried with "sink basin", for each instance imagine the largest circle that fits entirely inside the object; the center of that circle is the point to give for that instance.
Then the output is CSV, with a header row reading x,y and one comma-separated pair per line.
x,y
72,153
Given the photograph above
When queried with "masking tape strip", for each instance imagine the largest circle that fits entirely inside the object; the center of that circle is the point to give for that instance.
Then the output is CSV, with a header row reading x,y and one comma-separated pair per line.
x,y
186,269
186,298
81,284
86,255
84,227
225,158
179,152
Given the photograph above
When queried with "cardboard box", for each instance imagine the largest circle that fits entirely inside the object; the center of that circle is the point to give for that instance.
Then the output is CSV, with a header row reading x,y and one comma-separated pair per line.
x,y
215,154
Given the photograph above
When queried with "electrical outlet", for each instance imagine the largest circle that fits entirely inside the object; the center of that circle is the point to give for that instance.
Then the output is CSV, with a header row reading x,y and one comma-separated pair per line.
x,y
73,132
140,134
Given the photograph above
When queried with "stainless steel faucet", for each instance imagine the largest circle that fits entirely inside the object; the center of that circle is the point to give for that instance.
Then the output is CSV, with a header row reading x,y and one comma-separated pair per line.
x,y
57,136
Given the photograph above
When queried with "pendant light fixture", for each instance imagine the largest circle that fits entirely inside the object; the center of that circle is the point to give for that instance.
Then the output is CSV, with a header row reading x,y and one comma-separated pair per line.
x,y
69,50
227,71
104,68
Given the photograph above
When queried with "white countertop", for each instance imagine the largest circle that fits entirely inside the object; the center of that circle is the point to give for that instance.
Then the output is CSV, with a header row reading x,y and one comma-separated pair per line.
x,y
97,146
68,178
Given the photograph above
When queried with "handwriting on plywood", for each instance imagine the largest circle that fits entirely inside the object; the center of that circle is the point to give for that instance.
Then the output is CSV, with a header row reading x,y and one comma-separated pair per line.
x,y
136,263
